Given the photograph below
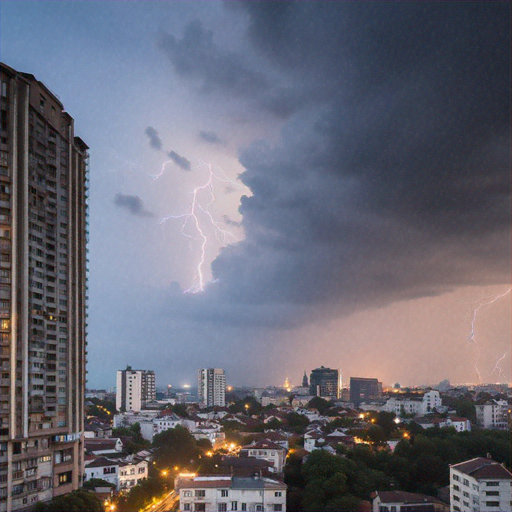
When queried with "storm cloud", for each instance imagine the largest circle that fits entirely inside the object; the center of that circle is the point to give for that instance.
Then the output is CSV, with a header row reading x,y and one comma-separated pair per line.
x,y
209,136
133,204
393,182
179,160
154,140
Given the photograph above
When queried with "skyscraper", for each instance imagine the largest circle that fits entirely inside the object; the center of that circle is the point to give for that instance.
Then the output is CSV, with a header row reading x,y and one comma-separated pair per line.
x,y
324,382
211,387
43,231
362,389
135,388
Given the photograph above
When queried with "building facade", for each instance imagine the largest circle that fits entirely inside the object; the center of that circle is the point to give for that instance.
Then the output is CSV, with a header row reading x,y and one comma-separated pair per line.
x,y
364,389
43,234
135,388
211,387
492,414
226,493
325,382
480,485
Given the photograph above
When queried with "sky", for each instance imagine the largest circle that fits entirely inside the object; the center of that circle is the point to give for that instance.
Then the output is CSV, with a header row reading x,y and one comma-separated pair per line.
x,y
277,186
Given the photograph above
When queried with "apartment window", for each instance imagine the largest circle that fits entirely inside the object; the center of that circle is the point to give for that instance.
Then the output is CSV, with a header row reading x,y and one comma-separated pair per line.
x,y
492,503
492,484
200,507
200,493
4,89
456,498
466,482
278,494
224,493
65,478
244,507
186,506
5,276
278,507
492,493
234,505
223,507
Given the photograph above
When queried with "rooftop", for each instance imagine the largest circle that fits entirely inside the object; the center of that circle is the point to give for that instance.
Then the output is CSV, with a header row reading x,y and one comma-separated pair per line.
x,y
481,468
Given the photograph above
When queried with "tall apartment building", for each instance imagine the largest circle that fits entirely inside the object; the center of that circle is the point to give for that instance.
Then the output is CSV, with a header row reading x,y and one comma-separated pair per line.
x,y
135,388
211,387
43,231
325,382
363,389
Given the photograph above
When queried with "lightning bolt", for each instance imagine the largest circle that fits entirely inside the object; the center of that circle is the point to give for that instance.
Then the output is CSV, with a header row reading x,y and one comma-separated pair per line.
x,y
162,170
497,367
200,217
472,334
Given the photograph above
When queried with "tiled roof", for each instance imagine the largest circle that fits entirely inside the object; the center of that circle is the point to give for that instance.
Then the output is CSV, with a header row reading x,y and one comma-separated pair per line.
x,y
100,462
263,445
481,468
405,497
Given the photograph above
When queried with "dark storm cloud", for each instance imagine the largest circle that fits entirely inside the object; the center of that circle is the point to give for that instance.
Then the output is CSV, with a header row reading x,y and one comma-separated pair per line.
x,y
133,204
154,140
196,56
179,160
210,137
393,181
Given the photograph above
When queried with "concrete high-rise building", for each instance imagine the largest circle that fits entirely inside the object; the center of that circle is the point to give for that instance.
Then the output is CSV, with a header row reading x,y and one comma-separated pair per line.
x,y
135,388
363,389
325,382
43,233
211,387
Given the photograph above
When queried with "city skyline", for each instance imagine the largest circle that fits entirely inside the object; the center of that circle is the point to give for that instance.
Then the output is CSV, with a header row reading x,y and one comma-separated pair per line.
x,y
374,145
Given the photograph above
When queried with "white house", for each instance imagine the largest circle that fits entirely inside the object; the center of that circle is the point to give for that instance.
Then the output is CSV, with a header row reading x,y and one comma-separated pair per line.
x,y
493,414
459,424
480,485
103,468
225,492
266,450
417,406
102,446
166,422
132,472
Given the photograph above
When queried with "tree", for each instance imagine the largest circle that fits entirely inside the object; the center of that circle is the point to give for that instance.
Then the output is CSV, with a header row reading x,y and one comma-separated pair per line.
x,y
320,404
76,501
91,484
175,447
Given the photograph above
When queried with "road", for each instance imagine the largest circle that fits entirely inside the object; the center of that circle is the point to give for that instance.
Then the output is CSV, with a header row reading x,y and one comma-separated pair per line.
x,y
169,503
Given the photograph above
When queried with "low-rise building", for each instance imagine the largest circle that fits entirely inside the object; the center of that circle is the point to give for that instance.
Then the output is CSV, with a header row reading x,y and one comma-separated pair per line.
x,y
401,501
266,450
417,405
492,414
459,424
221,493
480,485
103,468
99,446
132,472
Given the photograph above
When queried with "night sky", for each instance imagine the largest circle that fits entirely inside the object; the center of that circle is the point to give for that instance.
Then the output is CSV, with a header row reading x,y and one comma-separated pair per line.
x,y
279,186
